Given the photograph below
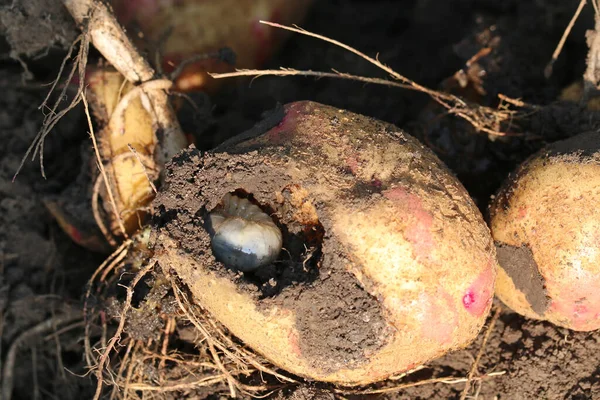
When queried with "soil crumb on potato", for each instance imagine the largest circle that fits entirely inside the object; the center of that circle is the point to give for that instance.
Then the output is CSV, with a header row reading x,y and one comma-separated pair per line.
x,y
519,264
337,319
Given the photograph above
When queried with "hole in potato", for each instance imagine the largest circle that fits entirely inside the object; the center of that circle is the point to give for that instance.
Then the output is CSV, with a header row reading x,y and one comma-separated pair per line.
x,y
300,246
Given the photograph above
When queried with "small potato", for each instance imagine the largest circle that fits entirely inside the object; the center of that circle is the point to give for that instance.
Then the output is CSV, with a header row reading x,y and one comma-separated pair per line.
x,y
386,262
127,144
546,224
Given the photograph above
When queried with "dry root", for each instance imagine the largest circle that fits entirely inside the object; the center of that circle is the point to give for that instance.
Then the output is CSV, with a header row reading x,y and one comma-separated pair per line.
x,y
495,122
130,365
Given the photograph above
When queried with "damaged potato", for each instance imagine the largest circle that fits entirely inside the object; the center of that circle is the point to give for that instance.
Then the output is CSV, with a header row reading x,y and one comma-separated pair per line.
x,y
128,146
546,224
386,262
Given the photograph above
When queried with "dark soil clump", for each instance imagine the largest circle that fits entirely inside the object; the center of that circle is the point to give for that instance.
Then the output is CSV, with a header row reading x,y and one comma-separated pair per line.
x,y
519,264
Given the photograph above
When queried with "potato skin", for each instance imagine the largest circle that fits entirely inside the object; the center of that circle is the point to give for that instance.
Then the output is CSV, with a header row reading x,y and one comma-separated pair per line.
x,y
129,179
394,217
546,222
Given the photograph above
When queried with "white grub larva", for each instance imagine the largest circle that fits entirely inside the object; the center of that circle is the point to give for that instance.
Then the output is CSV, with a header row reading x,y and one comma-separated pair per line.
x,y
243,236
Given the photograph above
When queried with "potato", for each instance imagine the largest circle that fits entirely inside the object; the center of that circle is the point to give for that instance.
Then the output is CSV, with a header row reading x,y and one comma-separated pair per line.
x,y
546,224
185,28
128,146
386,261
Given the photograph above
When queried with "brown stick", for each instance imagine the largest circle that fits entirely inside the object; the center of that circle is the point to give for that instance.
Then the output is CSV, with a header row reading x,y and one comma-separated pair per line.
x,y
449,380
111,262
482,118
591,76
110,39
375,61
124,363
563,39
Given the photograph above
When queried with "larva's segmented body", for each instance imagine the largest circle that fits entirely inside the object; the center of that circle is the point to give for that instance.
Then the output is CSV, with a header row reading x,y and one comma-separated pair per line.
x,y
244,237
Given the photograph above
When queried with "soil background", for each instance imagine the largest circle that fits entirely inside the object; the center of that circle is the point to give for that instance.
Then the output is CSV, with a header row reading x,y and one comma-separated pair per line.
x,y
42,271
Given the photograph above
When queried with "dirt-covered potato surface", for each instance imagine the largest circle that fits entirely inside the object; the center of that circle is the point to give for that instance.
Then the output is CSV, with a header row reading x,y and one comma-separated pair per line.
x,y
546,224
386,261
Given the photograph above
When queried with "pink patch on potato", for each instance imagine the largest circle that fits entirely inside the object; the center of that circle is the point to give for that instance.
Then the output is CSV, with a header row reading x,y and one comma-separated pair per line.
x,y
352,164
596,239
434,315
286,129
376,183
479,294
469,299
418,232
440,318
579,303
420,236
294,342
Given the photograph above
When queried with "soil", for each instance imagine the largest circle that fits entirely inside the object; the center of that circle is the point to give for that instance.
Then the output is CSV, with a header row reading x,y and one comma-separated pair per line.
x,y
519,264
42,272
581,149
